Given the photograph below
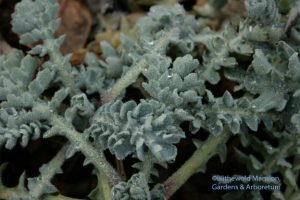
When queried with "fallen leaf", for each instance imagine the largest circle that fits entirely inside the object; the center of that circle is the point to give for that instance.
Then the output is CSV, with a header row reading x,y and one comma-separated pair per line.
x,y
201,2
78,57
4,47
76,25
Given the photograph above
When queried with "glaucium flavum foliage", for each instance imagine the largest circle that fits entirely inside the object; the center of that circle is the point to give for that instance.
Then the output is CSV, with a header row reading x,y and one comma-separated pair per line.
x,y
178,68
126,128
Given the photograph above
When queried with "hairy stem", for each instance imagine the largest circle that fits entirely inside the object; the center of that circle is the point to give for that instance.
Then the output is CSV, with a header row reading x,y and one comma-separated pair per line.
x,y
192,165
97,158
58,58
131,76
61,126
281,154
147,165
103,187
46,175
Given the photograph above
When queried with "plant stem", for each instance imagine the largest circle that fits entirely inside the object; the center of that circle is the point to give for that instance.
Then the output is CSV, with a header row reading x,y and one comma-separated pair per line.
x,y
279,155
58,61
192,165
61,126
133,73
96,157
121,169
104,187
46,175
147,165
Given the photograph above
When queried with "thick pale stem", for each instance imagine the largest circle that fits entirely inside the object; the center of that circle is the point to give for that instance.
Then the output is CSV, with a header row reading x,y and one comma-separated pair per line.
x,y
131,76
48,173
94,156
193,164
65,128
104,187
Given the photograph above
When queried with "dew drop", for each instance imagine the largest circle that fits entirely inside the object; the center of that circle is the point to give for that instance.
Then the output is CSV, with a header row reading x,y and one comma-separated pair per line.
x,y
253,82
151,42
270,148
274,26
250,28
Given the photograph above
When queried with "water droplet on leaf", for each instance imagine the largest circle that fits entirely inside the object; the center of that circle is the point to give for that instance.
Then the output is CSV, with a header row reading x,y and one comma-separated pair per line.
x,y
250,28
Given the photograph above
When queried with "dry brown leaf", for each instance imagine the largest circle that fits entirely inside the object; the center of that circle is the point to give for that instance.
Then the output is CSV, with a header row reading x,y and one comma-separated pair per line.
x,y
235,6
5,48
111,36
76,25
134,17
78,57
201,2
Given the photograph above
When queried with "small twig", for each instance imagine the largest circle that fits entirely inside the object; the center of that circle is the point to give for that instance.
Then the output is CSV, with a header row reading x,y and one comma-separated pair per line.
x,y
62,7
121,169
